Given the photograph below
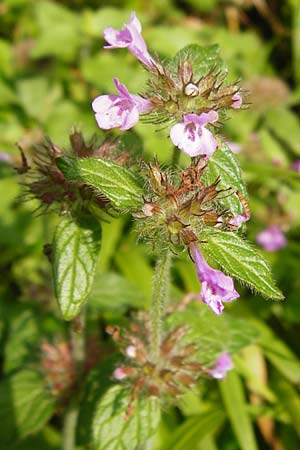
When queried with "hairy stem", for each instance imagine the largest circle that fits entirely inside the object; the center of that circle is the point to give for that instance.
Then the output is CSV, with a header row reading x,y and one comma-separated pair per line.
x,y
160,294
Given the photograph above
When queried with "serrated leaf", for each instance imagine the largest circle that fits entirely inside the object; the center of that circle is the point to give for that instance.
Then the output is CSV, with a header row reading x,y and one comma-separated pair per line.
x,y
113,431
213,335
235,402
240,260
114,181
76,246
202,58
25,406
224,165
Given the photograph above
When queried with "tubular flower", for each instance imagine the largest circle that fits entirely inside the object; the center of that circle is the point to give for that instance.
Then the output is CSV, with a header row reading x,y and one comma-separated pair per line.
x,y
119,111
192,137
222,366
271,239
216,287
130,37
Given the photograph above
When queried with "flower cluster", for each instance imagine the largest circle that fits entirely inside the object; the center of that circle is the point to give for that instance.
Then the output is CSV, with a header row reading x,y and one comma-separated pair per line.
x,y
45,182
182,96
173,371
179,205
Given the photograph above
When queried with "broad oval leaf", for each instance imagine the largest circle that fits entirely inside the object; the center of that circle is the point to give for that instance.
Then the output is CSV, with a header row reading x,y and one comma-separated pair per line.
x,y
240,260
76,246
224,165
114,181
25,406
112,430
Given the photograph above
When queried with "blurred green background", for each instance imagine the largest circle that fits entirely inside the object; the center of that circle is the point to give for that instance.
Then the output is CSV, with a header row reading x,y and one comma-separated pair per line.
x,y
52,65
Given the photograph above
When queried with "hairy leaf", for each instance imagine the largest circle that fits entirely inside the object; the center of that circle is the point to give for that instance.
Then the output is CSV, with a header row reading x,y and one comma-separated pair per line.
x,y
112,430
202,58
25,406
224,165
213,335
76,246
114,181
240,260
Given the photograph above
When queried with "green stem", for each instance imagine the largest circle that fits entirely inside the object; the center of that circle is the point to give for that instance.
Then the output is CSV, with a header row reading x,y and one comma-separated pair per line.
x,y
69,428
160,294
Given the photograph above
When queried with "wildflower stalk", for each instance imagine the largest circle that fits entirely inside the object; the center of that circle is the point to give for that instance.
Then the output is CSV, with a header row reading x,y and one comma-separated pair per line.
x,y
160,295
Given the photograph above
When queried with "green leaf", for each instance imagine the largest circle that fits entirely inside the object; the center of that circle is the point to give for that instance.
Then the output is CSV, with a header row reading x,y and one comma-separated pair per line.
x,y
235,402
289,399
56,25
113,292
202,58
23,336
98,381
194,430
285,125
114,181
25,406
278,353
76,246
224,165
38,97
240,260
112,430
213,335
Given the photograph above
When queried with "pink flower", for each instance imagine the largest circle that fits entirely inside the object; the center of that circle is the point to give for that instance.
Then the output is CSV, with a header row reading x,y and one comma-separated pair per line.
x,y
237,101
216,287
271,239
119,111
239,219
119,373
296,165
192,137
222,366
130,37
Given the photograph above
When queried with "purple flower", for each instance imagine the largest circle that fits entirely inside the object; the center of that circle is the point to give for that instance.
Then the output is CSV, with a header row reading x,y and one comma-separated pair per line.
x,y
296,165
222,366
130,37
192,137
119,111
237,101
237,221
216,287
271,239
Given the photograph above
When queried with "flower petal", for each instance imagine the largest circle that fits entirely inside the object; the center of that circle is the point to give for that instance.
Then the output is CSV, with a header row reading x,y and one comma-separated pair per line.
x,y
130,118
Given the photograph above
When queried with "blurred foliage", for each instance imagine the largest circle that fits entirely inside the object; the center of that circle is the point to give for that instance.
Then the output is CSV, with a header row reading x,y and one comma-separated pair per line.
x,y
51,66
